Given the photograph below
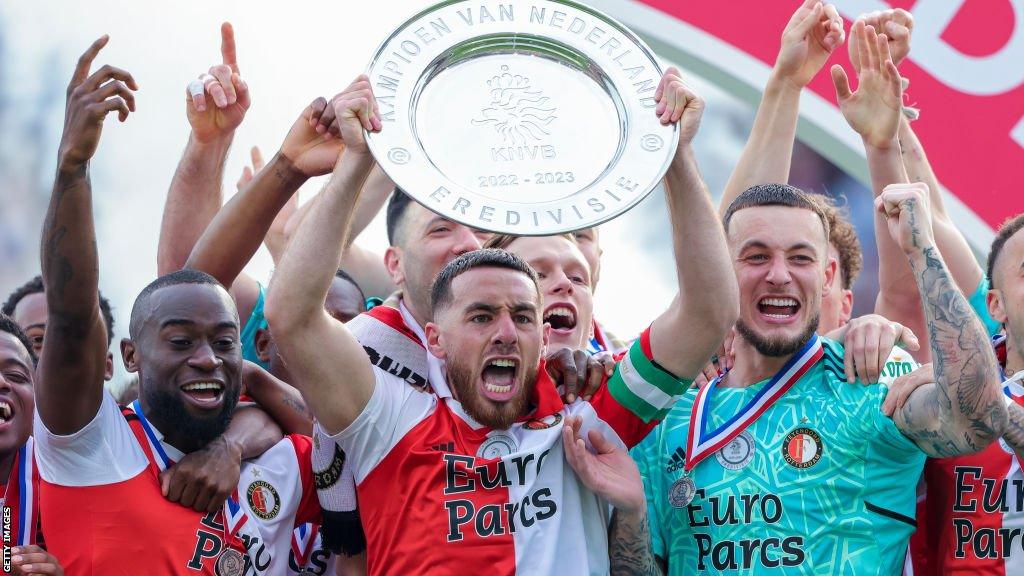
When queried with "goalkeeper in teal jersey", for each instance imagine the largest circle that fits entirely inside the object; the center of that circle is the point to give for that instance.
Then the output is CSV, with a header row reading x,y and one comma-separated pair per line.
x,y
781,466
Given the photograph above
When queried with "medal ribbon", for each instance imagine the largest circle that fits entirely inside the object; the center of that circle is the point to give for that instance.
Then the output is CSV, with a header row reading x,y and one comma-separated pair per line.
x,y
303,539
162,460
21,490
700,444
235,516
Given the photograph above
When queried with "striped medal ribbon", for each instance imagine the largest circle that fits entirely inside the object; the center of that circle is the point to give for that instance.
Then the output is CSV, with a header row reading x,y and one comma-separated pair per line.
x,y
700,443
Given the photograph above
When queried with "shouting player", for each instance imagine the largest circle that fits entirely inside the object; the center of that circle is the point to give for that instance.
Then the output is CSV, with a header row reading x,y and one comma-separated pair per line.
x,y
479,476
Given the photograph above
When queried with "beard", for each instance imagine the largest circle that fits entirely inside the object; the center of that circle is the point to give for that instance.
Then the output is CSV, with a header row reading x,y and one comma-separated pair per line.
x,y
171,412
777,347
495,415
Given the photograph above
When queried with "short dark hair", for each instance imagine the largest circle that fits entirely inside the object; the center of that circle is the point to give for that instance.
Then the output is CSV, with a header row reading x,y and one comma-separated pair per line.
x,y
184,276
7,324
348,278
398,205
1006,231
776,195
441,291
35,286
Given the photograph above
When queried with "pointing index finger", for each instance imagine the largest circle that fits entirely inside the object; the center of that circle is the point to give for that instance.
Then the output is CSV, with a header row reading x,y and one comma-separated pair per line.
x,y
227,46
85,61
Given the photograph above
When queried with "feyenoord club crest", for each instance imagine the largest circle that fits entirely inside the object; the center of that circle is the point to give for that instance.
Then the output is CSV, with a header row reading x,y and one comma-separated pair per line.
x,y
682,491
738,453
802,448
230,563
263,500
544,423
497,446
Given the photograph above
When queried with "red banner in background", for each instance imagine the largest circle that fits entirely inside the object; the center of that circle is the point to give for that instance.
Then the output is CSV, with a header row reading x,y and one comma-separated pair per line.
x,y
966,71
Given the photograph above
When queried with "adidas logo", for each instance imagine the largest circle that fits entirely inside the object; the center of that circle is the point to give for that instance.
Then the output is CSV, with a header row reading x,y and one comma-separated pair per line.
x,y
677,460
446,447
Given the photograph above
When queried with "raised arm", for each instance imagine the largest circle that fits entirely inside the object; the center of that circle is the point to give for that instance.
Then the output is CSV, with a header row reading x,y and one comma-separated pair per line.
x,y
326,361
69,386
813,32
235,234
685,336
215,105
964,410
898,25
366,266
874,112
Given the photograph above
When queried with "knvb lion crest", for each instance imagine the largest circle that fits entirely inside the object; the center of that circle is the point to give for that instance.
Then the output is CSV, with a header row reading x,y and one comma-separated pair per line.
x,y
517,111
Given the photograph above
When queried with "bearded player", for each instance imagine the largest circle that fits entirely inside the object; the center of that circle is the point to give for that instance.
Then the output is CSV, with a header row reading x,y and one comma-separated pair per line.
x,y
487,326
101,497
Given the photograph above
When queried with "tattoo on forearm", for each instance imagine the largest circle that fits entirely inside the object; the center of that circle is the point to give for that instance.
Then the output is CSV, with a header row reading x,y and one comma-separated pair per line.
x,y
295,405
965,411
629,547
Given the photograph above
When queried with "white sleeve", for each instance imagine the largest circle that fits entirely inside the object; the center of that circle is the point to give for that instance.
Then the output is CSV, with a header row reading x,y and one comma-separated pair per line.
x,y
105,451
394,408
899,363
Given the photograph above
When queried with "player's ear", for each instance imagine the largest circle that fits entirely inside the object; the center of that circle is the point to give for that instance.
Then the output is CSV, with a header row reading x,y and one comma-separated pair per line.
x,y
846,309
996,309
128,355
108,367
830,276
262,342
393,262
434,341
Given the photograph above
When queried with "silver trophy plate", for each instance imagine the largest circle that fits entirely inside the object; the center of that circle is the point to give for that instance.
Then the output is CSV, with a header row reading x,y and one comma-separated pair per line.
x,y
526,117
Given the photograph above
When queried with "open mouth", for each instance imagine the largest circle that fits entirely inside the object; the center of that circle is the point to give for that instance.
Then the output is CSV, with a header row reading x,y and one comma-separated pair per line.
x,y
499,378
6,412
560,318
204,392
778,308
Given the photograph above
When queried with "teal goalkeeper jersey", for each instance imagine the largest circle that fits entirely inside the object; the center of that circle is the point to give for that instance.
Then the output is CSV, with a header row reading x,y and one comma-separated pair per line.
x,y
821,483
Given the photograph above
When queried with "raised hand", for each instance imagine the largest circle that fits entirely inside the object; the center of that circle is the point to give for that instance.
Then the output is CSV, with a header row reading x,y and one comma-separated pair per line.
x,y
676,102
897,25
356,110
610,472
814,31
874,109
313,150
906,212
217,101
89,99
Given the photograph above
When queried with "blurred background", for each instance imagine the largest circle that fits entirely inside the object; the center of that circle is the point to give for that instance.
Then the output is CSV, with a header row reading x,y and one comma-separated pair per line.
x,y
288,54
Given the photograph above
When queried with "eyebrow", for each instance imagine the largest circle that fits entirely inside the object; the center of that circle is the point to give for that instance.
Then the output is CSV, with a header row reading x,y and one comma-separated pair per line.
x,y
37,325
760,244
186,322
485,307
17,362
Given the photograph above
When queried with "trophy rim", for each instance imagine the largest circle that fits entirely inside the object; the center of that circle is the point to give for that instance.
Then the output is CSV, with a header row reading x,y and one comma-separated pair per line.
x,y
635,41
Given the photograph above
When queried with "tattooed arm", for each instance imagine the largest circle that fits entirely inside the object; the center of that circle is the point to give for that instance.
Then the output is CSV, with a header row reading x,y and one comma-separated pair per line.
x,y
70,374
964,411
611,473
281,401
629,546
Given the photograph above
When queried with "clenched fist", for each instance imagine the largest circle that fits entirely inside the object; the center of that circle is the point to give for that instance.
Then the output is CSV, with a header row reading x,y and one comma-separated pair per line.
x,y
906,212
